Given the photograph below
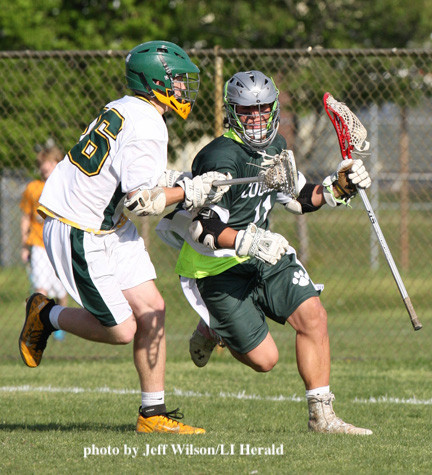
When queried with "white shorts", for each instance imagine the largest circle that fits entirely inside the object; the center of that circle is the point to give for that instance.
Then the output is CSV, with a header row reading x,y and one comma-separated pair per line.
x,y
42,275
96,268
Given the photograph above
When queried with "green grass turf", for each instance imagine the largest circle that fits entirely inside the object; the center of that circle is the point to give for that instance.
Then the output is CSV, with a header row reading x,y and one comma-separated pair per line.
x,y
53,414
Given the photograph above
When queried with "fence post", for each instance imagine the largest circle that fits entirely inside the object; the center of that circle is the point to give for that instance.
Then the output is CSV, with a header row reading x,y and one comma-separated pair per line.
x,y
218,101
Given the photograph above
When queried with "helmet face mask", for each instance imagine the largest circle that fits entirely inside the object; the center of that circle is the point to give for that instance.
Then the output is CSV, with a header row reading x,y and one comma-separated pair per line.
x,y
252,107
164,71
181,94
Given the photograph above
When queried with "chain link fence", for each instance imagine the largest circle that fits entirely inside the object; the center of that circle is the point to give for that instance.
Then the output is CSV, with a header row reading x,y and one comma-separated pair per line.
x,y
54,95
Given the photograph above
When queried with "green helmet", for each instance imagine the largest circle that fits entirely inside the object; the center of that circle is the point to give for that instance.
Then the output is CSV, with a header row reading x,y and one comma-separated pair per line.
x,y
163,71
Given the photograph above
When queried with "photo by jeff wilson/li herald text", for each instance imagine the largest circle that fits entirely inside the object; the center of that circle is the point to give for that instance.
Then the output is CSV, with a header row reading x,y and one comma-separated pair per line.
x,y
148,450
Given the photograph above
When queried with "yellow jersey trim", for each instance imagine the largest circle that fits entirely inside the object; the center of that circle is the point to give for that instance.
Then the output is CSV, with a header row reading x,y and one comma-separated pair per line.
x,y
44,212
233,136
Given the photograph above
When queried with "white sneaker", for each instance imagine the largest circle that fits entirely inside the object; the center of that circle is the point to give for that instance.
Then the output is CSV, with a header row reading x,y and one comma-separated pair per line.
x,y
323,419
202,343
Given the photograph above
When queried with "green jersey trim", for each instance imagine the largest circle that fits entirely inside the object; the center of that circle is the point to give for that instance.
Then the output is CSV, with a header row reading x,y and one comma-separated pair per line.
x,y
194,265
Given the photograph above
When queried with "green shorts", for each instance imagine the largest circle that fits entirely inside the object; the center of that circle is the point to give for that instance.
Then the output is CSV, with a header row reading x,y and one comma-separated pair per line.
x,y
241,297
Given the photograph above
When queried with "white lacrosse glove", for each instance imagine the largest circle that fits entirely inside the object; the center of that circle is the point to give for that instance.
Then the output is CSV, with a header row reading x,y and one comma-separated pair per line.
x,y
264,245
169,178
199,191
358,175
349,175
147,201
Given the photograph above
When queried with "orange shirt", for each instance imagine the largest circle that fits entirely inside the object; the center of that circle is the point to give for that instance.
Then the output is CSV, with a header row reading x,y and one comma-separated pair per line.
x,y
29,204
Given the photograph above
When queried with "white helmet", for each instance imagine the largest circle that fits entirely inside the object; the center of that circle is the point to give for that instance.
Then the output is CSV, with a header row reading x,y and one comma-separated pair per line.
x,y
252,88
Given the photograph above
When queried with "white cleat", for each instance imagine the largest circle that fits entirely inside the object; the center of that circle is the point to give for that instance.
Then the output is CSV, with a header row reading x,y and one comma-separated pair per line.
x,y
323,419
202,343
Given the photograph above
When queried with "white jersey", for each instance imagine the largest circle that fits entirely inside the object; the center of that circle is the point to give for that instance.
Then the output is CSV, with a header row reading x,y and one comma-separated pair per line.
x,y
122,149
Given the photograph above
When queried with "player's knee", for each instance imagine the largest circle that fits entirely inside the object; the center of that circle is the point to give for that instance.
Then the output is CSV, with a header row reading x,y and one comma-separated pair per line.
x,y
265,366
159,312
152,322
125,338
125,332
151,314
312,318
318,319
267,363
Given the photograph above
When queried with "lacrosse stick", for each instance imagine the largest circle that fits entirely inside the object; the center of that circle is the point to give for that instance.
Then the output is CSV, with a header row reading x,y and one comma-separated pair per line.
x,y
352,137
278,173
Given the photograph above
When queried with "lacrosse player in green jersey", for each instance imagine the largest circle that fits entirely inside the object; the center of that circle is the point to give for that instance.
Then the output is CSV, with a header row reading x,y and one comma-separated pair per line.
x,y
235,272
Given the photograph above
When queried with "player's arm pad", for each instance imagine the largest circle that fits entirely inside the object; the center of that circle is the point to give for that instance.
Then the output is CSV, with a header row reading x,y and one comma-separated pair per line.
x,y
303,203
305,198
147,201
206,228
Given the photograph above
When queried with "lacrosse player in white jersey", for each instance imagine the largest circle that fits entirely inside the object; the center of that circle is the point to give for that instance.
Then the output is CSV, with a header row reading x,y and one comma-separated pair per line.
x,y
120,160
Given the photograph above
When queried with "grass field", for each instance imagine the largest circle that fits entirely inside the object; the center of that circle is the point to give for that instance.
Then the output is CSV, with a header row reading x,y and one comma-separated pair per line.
x,y
84,397
55,414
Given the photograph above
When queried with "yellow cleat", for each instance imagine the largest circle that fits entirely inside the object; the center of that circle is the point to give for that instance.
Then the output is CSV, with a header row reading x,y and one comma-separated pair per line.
x,y
34,335
165,423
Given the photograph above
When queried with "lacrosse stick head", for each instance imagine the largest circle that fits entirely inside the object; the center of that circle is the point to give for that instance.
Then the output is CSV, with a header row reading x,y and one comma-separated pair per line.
x,y
280,173
350,131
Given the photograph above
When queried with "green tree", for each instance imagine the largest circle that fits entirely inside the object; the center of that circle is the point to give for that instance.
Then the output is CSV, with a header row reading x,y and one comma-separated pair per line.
x,y
121,24
82,24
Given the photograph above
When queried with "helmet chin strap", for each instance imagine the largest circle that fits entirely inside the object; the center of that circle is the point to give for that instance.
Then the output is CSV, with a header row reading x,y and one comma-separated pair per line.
x,y
182,109
256,134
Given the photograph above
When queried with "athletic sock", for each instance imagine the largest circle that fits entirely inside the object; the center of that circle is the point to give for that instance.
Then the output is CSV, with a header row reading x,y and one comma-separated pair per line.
x,y
54,316
317,391
153,404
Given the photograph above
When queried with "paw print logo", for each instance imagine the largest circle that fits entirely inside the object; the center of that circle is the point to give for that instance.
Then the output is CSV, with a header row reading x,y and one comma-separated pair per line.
x,y
300,278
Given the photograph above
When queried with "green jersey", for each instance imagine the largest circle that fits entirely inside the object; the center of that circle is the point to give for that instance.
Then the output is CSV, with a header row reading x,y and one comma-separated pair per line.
x,y
247,203
241,205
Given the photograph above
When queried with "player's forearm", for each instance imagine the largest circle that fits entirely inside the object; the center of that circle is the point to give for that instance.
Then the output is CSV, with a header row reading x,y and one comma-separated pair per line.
x,y
318,196
174,195
227,238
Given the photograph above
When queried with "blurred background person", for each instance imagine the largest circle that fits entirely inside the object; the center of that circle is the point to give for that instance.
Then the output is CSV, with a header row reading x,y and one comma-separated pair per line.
x,y
41,273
